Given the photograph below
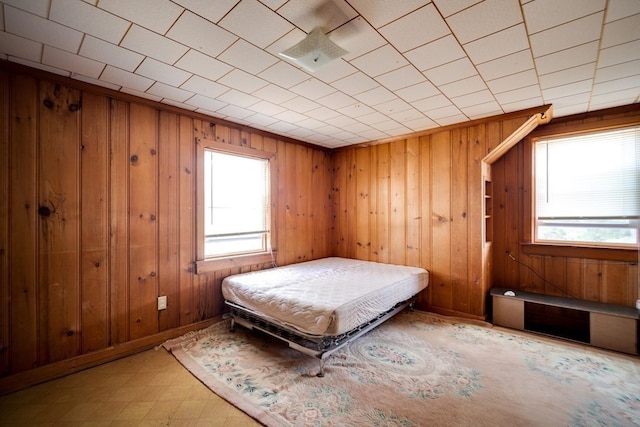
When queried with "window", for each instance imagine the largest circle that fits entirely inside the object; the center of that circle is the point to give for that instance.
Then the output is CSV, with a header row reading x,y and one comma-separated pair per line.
x,y
235,201
587,188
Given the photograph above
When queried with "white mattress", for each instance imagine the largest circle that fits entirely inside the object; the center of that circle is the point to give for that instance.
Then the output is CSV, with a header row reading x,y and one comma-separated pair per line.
x,y
327,296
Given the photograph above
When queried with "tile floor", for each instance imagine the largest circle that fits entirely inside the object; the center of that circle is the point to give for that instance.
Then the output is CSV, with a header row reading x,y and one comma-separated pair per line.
x,y
147,389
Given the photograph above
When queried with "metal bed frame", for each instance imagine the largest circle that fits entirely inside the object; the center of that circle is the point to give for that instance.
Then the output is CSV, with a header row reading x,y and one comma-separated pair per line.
x,y
318,346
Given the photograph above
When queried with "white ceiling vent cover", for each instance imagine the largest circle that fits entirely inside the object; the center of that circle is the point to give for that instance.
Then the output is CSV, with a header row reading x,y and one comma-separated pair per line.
x,y
314,51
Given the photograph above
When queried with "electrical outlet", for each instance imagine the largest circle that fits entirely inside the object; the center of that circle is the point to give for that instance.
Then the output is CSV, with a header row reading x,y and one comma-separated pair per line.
x,y
162,303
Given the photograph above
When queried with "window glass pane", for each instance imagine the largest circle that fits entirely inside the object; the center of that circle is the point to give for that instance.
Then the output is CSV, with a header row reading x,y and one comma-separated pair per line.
x,y
236,203
588,187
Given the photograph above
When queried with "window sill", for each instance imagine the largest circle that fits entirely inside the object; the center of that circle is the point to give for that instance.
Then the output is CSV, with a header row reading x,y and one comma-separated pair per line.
x,y
238,261
609,254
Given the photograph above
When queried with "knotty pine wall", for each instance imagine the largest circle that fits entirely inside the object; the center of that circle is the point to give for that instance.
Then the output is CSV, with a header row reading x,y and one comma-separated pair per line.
x,y
97,220
419,201
588,274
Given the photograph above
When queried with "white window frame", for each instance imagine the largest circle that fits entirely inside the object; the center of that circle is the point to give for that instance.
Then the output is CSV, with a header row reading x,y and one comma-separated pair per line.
x,y
633,222
208,264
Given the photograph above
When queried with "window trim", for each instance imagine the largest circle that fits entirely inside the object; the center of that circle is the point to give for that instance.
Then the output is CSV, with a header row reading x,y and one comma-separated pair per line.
x,y
209,264
529,245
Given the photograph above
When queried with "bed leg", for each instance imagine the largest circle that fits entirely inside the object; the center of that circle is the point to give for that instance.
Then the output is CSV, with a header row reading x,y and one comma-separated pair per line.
x,y
321,373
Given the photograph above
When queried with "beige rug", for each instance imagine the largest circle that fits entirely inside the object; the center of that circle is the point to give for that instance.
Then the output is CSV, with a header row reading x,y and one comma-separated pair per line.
x,y
418,369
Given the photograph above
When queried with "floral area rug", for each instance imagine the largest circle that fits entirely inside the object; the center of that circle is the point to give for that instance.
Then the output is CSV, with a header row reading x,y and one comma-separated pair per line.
x,y
418,369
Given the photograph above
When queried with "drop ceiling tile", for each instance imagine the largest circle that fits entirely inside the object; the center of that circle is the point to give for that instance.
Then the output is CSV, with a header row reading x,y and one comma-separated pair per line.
x,y
33,27
242,81
611,100
568,58
200,34
125,79
309,14
510,64
325,114
274,94
574,88
570,75
485,18
178,104
284,75
497,45
301,104
336,100
621,9
380,61
335,70
170,92
452,120
159,71
565,101
164,13
373,119
311,123
95,82
355,83
263,120
516,95
40,8
203,65
357,127
266,107
574,33
415,29
234,112
522,104
443,112
117,56
288,116
89,19
64,60
618,71
39,66
420,124
375,96
151,44
488,109
357,37
631,84
619,54
432,103
416,92
247,57
204,8
209,104
544,14
11,44
449,7
356,110
463,87
285,42
401,78
312,89
622,31
197,84
513,81
140,94
282,128
475,98
393,106
381,12
436,53
406,115
240,99
453,71
265,28
339,121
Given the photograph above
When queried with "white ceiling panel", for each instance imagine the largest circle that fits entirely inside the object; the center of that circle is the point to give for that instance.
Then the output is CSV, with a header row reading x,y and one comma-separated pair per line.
x,y
411,65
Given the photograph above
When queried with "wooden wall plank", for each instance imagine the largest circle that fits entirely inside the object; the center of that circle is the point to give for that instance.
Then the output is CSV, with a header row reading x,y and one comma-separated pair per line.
x,y
94,181
168,220
5,113
186,227
281,244
59,227
383,202
441,293
373,204
350,205
143,224
301,185
23,241
397,207
119,221
413,218
459,220
426,237
362,180
291,205
478,287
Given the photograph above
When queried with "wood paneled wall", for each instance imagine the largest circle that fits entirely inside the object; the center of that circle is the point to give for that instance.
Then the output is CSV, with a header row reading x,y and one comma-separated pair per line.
x,y
419,202
97,219
592,275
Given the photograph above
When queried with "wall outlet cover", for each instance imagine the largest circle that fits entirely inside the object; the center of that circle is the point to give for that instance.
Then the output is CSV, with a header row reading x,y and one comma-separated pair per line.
x,y
162,303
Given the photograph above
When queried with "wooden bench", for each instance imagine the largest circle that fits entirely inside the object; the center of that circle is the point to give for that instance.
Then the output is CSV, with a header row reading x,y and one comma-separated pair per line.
x,y
610,326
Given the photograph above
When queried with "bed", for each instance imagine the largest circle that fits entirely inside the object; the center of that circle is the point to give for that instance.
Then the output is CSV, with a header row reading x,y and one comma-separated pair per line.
x,y
319,306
